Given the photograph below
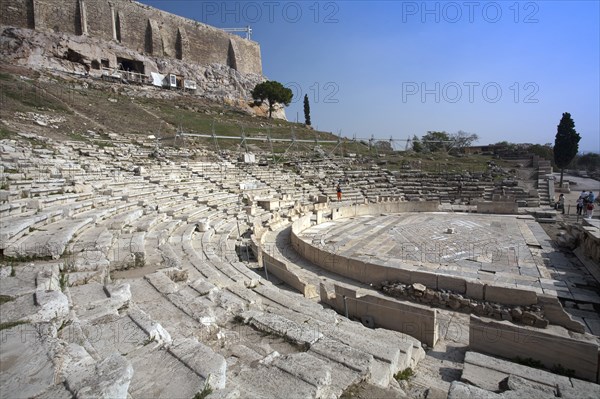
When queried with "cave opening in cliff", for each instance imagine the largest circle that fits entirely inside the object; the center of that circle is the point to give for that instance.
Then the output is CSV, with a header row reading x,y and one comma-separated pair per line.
x,y
131,65
74,56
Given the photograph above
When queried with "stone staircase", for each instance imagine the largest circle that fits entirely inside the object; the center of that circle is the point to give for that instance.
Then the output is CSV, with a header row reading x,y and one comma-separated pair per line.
x,y
545,182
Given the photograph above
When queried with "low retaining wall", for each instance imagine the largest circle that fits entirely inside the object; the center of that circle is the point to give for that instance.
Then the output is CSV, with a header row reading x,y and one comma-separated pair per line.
x,y
591,243
417,321
509,341
280,269
498,207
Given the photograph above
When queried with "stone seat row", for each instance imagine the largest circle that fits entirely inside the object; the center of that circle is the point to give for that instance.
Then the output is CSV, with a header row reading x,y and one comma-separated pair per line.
x,y
301,324
33,214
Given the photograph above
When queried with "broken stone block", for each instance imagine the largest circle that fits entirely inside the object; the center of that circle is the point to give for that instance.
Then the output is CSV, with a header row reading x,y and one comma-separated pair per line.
x,y
308,368
202,360
110,380
418,287
154,330
53,305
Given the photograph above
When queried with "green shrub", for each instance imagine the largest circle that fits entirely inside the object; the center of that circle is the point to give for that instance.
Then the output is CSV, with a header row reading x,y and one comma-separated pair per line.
x,y
404,375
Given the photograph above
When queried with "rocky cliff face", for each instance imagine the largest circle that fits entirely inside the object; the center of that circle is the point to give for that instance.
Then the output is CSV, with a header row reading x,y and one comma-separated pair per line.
x,y
82,55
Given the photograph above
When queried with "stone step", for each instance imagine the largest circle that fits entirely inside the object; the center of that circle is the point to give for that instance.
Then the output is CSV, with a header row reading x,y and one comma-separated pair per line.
x,y
488,372
263,381
287,301
50,242
202,360
162,283
275,324
158,373
58,391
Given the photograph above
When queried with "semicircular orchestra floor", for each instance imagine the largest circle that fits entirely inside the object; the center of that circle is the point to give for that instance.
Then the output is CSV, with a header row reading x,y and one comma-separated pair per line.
x,y
500,249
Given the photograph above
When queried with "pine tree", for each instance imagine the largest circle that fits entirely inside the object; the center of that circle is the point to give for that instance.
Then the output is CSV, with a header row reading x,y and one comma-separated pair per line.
x,y
272,92
306,110
566,143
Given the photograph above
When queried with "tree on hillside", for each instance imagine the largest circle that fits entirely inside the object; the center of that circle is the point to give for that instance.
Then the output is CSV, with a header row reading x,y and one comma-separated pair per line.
x,y
462,140
543,151
589,161
306,110
273,92
436,141
383,145
566,143
417,146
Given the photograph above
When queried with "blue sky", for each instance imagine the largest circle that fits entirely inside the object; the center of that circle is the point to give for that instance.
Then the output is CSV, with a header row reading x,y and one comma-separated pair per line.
x,y
502,70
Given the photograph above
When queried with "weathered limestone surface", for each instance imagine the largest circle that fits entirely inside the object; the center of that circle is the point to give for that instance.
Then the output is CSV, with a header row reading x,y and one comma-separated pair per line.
x,y
202,360
52,305
109,379
26,368
275,324
272,382
48,243
97,306
150,327
198,313
459,390
352,358
162,283
509,341
487,376
308,368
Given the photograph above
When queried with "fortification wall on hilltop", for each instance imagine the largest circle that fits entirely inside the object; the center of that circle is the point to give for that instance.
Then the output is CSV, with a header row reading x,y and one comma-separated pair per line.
x,y
139,27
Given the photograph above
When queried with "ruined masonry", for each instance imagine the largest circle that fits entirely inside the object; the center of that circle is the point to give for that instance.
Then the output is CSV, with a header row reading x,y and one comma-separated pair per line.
x,y
129,276
137,27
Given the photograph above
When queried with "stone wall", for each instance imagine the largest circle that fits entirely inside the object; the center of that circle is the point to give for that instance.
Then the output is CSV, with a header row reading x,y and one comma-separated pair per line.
x,y
552,350
498,207
17,12
280,270
417,321
590,243
139,27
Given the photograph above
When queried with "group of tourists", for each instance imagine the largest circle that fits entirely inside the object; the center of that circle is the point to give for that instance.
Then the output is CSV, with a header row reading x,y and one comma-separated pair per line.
x,y
585,202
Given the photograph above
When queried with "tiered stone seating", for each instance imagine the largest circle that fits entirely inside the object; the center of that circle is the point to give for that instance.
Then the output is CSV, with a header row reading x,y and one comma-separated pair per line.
x,y
444,188
148,294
